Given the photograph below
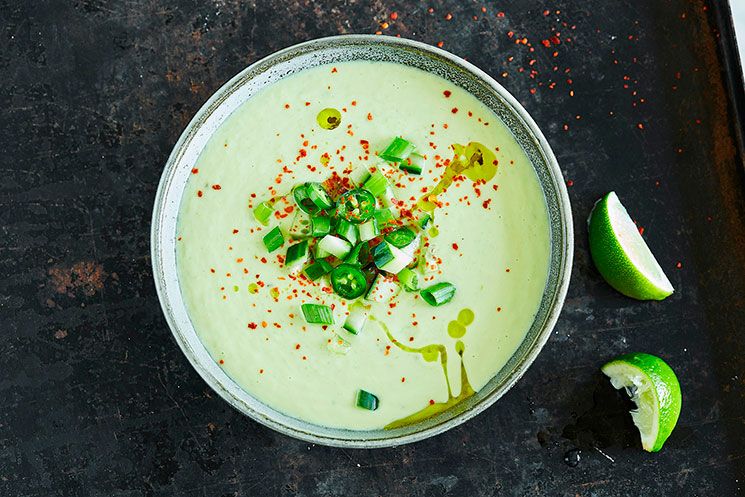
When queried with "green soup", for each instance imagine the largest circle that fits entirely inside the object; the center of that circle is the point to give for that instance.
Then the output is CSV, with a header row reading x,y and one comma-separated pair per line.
x,y
490,239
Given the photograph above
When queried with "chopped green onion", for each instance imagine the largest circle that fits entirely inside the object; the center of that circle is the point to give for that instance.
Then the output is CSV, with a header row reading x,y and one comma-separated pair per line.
x,y
335,246
369,230
400,237
366,400
319,253
317,194
412,164
357,318
348,231
274,239
296,254
438,294
398,151
376,184
263,212
303,200
383,289
317,314
358,255
387,199
359,175
384,216
424,220
409,280
318,269
389,258
320,226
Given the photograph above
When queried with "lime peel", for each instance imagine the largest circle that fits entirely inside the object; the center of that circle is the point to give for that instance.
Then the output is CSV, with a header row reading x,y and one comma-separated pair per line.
x,y
621,254
654,388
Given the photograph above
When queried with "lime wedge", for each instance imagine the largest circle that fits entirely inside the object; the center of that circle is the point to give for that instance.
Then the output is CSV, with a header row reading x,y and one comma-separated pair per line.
x,y
621,255
655,390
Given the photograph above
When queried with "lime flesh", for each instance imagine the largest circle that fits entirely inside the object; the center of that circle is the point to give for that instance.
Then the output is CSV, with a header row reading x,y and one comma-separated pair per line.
x,y
655,390
621,254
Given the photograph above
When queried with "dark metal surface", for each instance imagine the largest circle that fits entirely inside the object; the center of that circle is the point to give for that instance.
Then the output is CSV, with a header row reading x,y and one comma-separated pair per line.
x,y
98,400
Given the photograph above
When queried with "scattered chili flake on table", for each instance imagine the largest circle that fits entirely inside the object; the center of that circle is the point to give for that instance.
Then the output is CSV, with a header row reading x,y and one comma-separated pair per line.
x,y
679,265
221,361
195,171
199,193
394,16
216,187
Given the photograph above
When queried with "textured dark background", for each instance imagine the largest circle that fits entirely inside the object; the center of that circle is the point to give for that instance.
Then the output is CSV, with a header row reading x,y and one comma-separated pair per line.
x,y
95,397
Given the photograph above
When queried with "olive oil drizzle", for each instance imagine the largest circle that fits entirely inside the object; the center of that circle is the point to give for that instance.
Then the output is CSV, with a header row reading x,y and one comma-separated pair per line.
x,y
431,353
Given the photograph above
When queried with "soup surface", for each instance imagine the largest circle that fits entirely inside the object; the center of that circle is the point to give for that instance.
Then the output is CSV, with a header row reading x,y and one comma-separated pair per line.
x,y
489,238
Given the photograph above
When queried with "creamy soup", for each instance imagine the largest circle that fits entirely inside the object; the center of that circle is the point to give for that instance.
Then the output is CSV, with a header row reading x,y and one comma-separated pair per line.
x,y
489,239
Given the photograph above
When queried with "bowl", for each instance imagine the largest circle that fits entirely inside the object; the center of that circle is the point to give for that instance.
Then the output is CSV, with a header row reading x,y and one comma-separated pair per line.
x,y
333,50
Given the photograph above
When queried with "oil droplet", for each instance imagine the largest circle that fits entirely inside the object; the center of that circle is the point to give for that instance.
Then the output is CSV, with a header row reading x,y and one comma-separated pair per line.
x,y
455,329
329,118
465,317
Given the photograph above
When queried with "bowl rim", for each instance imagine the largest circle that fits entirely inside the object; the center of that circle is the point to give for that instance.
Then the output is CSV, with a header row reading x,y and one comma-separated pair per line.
x,y
555,306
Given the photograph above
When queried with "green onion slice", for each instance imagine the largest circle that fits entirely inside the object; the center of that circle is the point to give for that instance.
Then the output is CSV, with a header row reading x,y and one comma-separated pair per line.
x,y
356,206
318,269
369,230
360,254
376,184
384,216
296,254
367,400
318,195
348,231
348,281
413,164
400,237
263,212
398,151
274,239
317,314
438,294
320,226
409,280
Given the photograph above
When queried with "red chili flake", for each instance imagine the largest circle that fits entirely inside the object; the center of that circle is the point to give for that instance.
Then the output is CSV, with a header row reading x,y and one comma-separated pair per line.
x,y
221,361
307,104
411,339
440,44
216,187
507,270
546,43
393,16
303,152
555,40
679,265
261,371
264,324
403,379
499,309
485,203
455,246
431,402
454,110
297,346
334,70
570,182
195,170
640,126
500,14
546,12
239,260
235,231
199,193
369,116
448,16
287,106
641,230
263,260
